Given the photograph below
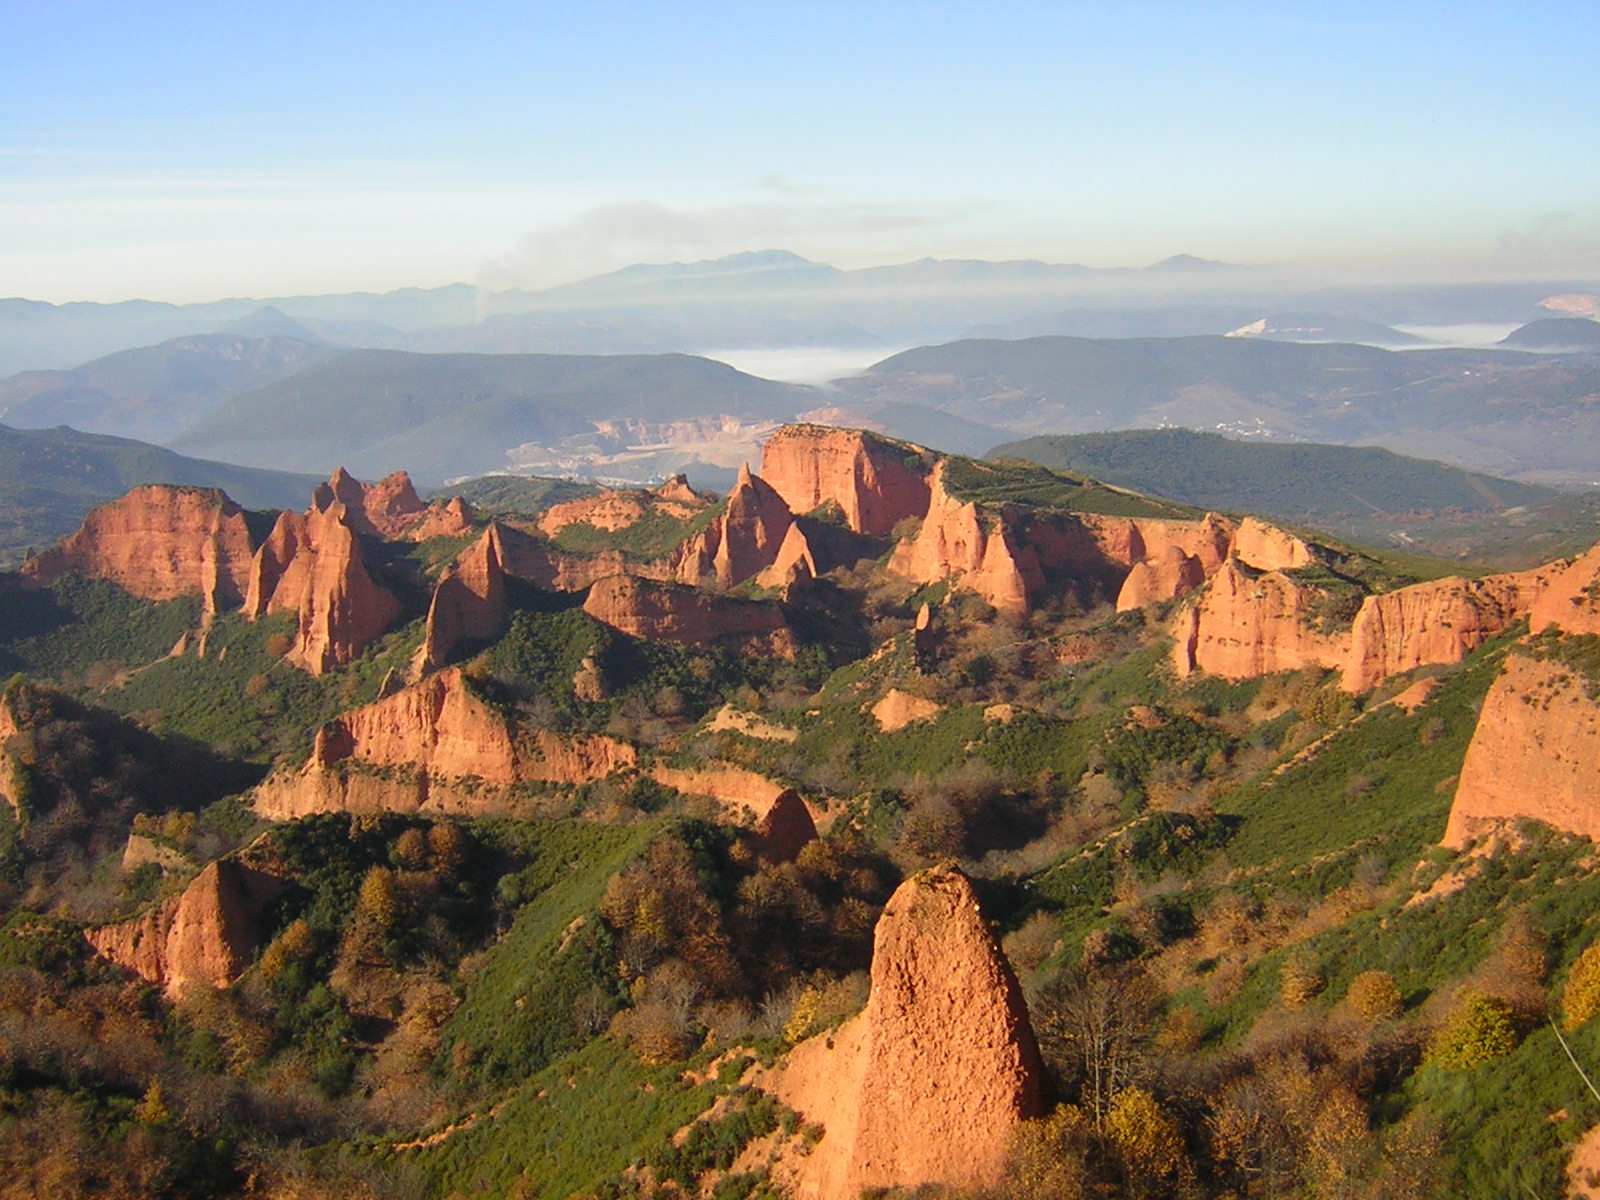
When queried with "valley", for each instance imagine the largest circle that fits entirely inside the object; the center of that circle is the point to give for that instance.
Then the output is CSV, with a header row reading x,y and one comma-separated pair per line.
x,y
894,820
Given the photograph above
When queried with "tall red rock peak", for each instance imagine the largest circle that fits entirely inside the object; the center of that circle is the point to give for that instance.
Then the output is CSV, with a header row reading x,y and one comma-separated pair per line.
x,y
204,935
925,1085
469,600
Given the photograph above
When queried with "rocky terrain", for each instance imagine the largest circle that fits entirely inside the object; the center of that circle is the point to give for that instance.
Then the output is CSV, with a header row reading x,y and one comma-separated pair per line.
x,y
894,821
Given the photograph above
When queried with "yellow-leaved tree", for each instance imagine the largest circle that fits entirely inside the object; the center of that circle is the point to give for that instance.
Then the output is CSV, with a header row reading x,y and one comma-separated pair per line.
x,y
1580,999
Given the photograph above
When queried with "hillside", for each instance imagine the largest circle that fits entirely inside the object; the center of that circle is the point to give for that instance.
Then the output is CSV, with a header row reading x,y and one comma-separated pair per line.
x,y
51,478
1569,334
1496,411
444,415
898,821
1364,493
155,392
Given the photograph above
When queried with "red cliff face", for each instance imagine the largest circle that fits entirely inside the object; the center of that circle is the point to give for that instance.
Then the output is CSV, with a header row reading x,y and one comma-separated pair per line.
x,y
469,600
925,1086
665,612
432,747
1250,623
1571,601
159,542
972,549
741,543
313,566
204,935
1436,622
1164,577
876,483
1533,753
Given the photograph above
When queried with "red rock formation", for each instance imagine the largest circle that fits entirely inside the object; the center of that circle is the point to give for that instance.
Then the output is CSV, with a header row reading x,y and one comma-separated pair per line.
x,y
391,506
794,561
1571,601
391,509
1436,622
972,550
469,600
1127,541
742,542
159,542
432,747
1268,548
666,612
926,1085
876,483
1533,753
614,510
313,566
783,831
897,709
1250,623
1165,577
12,782
204,935
737,789
453,518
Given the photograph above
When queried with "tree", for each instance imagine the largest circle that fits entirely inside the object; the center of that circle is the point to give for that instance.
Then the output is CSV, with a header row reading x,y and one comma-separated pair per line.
x,y
1147,1141
1094,1026
1580,999
1373,995
1478,1028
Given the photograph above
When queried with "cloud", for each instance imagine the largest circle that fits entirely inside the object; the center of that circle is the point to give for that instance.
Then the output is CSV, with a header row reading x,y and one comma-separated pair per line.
x,y
609,236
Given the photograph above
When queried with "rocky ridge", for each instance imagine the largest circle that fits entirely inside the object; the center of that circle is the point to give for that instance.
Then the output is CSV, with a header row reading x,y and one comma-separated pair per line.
x,y
433,747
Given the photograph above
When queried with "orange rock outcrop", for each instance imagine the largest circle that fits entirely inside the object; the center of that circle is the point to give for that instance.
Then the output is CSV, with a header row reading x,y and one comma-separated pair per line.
x,y
469,601
1250,623
1440,621
391,509
742,542
1268,548
971,549
432,747
159,542
618,509
924,1086
1570,601
313,566
876,482
204,935
1533,753
1165,577
667,612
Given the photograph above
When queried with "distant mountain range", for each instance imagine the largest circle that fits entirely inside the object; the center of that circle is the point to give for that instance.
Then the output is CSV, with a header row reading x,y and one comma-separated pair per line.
x,y
1525,416
775,298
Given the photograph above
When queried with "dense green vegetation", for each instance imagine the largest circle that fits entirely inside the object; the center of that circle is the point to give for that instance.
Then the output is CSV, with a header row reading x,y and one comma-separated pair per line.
x,y
518,495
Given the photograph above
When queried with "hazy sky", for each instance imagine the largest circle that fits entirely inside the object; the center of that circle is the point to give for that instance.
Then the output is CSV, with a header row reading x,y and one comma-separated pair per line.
x,y
191,151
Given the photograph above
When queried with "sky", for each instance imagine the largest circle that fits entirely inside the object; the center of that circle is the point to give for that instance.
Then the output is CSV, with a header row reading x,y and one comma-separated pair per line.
x,y
184,151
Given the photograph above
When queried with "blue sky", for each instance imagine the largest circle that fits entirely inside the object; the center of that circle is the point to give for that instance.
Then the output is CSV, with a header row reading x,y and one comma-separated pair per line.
x,y
191,151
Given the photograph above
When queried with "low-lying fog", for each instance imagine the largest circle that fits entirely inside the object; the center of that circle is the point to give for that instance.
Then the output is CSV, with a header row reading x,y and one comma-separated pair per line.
x,y
802,364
